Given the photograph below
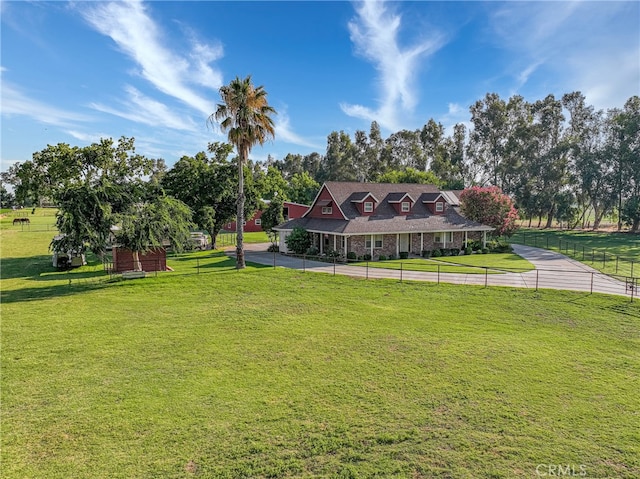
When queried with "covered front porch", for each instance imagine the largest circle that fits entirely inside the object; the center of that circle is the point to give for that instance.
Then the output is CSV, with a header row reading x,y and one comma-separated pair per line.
x,y
388,244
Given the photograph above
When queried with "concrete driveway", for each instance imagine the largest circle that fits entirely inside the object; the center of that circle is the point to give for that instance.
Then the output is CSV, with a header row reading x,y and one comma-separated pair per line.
x,y
553,271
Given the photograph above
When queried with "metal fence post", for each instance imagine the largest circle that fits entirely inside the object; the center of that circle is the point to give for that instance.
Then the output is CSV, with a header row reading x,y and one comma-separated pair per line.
x,y
198,264
537,275
303,263
632,268
604,260
401,272
592,282
367,271
438,273
633,287
274,260
486,276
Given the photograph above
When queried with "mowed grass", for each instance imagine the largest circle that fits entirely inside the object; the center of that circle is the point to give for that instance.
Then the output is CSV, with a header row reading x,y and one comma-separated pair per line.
x,y
498,261
278,373
467,264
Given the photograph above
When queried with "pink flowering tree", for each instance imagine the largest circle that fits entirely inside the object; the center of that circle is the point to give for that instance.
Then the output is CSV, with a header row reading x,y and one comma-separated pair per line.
x,y
490,206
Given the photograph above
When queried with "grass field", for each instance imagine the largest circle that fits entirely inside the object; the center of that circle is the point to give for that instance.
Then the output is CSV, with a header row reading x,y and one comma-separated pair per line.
x,y
276,373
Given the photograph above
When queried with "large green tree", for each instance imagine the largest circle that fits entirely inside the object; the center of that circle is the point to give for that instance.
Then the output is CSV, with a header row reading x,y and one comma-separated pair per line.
x,y
245,115
146,226
208,185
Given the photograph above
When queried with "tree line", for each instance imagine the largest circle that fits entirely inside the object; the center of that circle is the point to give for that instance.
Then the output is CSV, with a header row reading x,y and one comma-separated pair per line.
x,y
559,158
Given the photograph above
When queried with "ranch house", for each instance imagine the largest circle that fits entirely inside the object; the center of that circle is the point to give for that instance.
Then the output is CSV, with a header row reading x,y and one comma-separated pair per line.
x,y
384,219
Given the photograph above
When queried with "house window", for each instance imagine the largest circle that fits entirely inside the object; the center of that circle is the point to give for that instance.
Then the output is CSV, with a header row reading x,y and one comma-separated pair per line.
x,y
377,241
327,210
441,237
406,206
258,221
368,206
439,207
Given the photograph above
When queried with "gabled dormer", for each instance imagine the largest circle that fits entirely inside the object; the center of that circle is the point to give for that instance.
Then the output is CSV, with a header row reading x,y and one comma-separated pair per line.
x,y
401,202
365,203
435,202
325,206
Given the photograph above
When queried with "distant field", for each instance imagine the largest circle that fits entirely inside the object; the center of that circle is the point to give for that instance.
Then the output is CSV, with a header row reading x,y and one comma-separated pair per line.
x,y
278,373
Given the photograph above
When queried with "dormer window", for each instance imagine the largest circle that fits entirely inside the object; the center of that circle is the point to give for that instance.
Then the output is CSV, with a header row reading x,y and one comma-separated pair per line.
x,y
327,210
439,207
405,207
368,206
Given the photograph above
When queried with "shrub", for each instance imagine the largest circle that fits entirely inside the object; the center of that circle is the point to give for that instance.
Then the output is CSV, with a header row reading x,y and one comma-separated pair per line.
x,y
313,251
273,248
426,253
351,255
436,253
333,254
392,256
367,257
382,257
298,241
445,252
468,250
404,254
455,251
485,250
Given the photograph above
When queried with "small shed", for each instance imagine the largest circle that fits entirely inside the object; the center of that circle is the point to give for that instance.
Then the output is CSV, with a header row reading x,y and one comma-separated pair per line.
x,y
153,260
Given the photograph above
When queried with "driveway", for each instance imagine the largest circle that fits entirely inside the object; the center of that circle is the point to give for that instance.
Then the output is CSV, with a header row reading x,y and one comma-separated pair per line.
x,y
553,271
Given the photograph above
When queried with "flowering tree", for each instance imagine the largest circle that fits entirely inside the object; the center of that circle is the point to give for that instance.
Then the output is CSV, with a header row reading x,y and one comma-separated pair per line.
x,y
490,206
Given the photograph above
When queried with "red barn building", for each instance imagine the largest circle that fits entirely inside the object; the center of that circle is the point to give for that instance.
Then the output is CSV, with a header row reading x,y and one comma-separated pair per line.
x,y
154,260
290,211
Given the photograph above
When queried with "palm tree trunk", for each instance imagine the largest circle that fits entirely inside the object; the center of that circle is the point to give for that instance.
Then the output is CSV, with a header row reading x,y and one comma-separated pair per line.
x,y
240,263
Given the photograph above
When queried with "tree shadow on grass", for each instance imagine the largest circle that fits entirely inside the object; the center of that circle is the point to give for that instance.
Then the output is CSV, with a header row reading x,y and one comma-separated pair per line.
x,y
53,291
30,267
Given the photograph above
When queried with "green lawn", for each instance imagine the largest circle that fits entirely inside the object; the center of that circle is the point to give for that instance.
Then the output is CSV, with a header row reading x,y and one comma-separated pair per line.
x,y
500,261
278,373
472,264
597,249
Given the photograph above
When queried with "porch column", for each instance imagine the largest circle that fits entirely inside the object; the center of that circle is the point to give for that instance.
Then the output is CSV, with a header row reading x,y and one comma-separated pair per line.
x,y
397,245
484,239
466,240
335,237
372,237
421,242
321,242
444,239
346,238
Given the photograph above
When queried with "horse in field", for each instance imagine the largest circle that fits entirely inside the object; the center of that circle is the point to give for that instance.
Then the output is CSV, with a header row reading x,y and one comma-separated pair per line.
x,y
17,221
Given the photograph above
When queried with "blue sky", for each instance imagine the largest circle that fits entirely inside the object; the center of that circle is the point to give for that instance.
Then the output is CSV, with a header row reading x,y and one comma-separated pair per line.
x,y
73,72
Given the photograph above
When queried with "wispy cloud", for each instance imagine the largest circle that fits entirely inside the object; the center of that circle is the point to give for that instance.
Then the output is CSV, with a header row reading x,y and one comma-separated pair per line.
x,y
286,134
16,102
130,26
375,35
582,44
142,109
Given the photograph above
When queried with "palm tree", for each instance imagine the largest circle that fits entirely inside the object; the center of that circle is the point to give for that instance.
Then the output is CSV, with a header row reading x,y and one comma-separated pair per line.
x,y
245,116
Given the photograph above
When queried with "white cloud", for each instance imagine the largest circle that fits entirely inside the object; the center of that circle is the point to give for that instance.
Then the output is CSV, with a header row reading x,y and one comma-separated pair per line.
x,y
286,134
375,35
134,31
15,102
593,47
142,109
